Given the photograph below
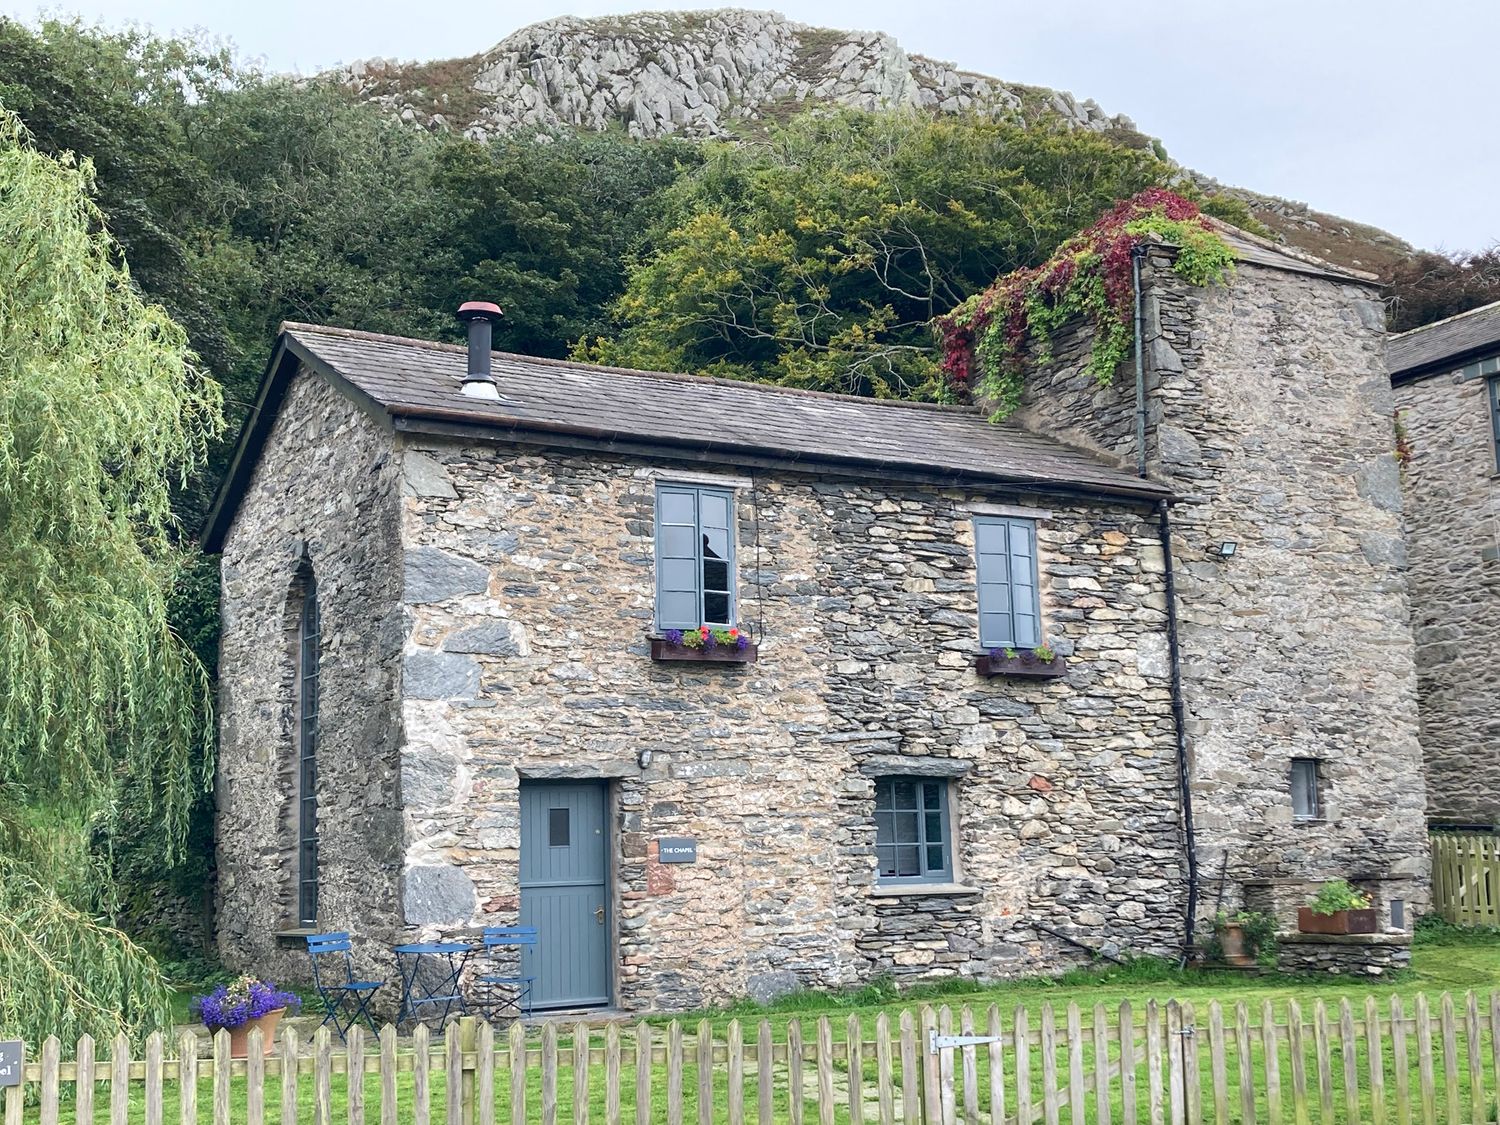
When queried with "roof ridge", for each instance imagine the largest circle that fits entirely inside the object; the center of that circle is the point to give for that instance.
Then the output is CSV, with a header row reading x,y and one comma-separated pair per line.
x,y
954,409
1445,320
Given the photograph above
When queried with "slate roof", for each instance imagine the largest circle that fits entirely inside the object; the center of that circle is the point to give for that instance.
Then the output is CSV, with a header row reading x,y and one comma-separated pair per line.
x,y
1445,344
416,384
1259,251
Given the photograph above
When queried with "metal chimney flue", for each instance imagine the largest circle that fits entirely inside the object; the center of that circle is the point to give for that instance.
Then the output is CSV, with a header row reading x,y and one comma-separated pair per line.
x,y
480,316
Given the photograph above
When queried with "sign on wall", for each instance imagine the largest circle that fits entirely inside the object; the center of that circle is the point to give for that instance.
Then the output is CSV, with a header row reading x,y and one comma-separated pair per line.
x,y
677,849
10,1062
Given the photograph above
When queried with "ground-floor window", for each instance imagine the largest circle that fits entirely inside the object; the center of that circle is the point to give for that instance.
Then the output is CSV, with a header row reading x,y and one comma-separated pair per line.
x,y
912,834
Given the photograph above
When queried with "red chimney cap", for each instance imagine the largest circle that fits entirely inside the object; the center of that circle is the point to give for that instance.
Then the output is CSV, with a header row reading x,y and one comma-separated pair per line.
x,y
476,310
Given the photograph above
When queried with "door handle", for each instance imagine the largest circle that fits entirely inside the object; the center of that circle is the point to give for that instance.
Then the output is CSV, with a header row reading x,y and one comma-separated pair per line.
x,y
599,914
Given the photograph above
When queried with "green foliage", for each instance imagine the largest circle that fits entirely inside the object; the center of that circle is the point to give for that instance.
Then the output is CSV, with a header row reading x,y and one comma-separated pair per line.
x,y
1336,895
1235,212
102,414
1435,930
1259,931
819,258
1088,278
68,975
546,229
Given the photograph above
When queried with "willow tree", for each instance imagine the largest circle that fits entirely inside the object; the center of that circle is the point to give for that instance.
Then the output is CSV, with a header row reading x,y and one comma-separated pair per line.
x,y
102,415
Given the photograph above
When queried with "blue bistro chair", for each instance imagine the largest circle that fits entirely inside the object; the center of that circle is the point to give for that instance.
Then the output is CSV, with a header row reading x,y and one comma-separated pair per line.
x,y
504,993
346,1001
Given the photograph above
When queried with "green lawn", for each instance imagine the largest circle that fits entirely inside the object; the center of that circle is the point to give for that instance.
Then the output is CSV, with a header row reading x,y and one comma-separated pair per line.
x,y
1472,964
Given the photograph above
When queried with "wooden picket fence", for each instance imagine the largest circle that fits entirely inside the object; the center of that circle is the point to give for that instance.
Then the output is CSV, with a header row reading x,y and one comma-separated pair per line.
x,y
1375,1062
1466,878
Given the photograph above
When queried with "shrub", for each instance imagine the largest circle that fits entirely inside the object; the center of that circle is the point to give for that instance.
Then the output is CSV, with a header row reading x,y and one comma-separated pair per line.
x,y
1336,895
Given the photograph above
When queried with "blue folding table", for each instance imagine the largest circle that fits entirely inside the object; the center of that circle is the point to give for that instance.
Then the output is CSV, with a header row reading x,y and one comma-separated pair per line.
x,y
431,980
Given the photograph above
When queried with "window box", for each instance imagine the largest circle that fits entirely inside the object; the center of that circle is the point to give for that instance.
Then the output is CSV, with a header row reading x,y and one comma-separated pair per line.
x,y
1023,664
664,650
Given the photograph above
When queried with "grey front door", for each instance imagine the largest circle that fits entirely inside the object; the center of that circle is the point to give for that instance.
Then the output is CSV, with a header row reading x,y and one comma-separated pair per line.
x,y
564,883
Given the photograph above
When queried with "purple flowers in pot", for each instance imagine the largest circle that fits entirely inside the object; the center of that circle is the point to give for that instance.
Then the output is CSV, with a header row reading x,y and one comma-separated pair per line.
x,y
234,1005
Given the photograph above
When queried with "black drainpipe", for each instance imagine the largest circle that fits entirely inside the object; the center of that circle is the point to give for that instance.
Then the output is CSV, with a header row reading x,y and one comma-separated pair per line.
x,y
1179,721
1164,530
1138,252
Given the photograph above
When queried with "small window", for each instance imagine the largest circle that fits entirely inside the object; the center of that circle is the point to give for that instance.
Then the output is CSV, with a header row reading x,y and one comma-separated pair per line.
x,y
912,837
694,557
1306,801
1005,555
558,832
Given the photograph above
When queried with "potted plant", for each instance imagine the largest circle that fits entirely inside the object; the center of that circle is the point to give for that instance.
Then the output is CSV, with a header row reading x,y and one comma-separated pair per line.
x,y
1337,908
712,643
1245,940
241,1007
1040,663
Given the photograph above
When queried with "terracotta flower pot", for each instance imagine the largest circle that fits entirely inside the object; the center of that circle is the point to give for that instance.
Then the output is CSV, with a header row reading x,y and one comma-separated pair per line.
x,y
1340,922
1232,941
239,1037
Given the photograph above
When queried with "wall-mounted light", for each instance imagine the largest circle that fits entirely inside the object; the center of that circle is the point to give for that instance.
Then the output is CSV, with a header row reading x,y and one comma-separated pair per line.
x,y
644,758
1225,550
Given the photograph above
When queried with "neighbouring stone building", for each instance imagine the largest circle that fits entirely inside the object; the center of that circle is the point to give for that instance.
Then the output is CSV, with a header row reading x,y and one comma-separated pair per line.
x,y
453,691
1447,385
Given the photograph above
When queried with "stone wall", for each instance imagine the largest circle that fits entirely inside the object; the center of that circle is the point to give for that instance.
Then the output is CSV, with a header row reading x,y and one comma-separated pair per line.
x,y
324,491
1269,414
530,595
1452,535
1344,955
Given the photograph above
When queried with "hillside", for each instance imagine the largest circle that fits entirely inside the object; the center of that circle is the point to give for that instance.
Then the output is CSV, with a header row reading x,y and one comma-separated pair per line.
x,y
726,73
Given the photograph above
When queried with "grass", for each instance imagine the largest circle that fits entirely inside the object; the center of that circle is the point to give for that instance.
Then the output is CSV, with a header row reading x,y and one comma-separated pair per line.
x,y
1445,960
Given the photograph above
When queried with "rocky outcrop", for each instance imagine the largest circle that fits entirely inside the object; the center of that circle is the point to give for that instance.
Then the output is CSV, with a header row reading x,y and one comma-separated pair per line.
x,y
729,73
698,74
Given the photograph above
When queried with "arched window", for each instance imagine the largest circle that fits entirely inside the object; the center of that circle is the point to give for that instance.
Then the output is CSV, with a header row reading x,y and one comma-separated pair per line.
x,y
306,814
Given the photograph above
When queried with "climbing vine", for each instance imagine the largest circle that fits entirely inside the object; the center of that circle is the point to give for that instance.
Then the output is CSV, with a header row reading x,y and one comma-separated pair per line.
x,y
984,340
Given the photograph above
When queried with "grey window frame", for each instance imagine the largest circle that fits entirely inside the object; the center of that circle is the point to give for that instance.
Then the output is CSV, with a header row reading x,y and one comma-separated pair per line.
x,y
697,493
309,635
990,586
1315,812
928,874
1492,385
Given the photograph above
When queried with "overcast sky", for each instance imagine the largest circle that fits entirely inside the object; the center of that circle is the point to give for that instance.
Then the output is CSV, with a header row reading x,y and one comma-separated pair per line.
x,y
1378,110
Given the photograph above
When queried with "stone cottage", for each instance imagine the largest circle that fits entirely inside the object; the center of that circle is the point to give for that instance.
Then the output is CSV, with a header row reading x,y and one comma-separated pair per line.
x,y
994,699
1447,385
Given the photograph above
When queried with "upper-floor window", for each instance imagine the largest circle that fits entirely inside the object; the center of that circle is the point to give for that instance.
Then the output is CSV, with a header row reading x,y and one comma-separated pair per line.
x,y
1010,613
1494,386
912,835
1307,803
308,633
694,556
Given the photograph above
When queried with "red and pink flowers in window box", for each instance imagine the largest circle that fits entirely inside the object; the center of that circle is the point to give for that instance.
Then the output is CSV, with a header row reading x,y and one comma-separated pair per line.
x,y
715,643
708,637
